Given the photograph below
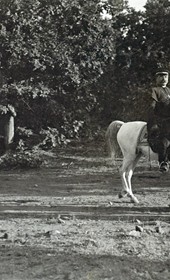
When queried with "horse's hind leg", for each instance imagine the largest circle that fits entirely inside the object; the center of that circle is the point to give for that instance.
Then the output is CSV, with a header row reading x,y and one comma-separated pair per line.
x,y
123,172
126,175
129,177
124,192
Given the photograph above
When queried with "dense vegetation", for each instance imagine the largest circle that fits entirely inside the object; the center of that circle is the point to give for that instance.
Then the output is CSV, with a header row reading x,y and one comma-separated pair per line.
x,y
70,67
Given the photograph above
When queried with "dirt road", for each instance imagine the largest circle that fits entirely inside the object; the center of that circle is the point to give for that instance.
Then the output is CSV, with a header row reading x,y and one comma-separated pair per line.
x,y
65,221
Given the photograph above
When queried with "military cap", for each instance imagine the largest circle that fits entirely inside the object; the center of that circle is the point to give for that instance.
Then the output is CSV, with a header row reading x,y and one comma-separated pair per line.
x,y
162,71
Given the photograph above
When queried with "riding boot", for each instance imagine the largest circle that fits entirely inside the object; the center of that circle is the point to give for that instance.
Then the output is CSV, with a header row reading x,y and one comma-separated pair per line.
x,y
163,156
164,167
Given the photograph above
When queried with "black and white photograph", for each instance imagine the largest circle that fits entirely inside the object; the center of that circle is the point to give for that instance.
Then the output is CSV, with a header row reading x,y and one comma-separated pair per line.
x,y
84,140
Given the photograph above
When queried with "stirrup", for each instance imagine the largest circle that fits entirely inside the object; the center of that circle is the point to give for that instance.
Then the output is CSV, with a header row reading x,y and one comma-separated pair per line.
x,y
164,167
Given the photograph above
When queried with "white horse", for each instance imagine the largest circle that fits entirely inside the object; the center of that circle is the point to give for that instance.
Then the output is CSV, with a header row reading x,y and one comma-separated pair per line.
x,y
125,138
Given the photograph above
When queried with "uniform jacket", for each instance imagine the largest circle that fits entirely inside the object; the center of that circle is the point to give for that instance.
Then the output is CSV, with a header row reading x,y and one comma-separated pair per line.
x,y
161,99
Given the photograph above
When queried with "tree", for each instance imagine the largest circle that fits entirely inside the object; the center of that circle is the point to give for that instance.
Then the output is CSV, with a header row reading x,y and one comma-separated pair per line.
x,y
157,20
142,44
53,53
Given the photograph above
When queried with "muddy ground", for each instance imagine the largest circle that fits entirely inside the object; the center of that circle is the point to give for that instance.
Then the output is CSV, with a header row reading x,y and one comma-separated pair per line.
x,y
65,220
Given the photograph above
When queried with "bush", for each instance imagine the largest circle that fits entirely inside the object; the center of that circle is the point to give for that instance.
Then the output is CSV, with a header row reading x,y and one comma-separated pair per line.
x,y
21,159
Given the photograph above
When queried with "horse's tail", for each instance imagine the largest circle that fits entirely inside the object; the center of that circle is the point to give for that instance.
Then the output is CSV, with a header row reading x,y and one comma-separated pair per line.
x,y
111,139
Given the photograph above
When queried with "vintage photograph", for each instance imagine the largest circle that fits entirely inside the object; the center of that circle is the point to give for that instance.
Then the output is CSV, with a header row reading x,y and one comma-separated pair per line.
x,y
84,140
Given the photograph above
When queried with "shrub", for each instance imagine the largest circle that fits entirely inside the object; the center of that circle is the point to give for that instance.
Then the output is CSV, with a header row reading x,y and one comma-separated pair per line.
x,y
21,159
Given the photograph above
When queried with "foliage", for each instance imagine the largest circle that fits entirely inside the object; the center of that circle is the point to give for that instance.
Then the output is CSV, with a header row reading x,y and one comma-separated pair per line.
x,y
53,52
23,159
142,46
51,138
71,67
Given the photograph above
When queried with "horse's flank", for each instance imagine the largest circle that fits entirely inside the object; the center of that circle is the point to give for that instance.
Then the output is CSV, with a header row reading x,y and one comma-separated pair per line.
x,y
128,138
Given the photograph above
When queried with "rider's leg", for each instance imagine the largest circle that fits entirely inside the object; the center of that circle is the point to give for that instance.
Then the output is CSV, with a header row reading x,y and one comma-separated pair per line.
x,y
163,154
168,153
159,144
154,137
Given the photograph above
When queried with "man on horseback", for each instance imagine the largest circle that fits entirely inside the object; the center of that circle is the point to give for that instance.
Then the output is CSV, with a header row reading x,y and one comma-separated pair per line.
x,y
159,120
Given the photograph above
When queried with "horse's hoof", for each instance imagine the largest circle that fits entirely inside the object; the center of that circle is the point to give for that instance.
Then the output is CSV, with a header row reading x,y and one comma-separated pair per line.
x,y
134,200
164,167
122,194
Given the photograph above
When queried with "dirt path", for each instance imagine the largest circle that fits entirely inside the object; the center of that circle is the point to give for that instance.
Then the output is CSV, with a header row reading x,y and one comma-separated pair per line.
x,y
65,221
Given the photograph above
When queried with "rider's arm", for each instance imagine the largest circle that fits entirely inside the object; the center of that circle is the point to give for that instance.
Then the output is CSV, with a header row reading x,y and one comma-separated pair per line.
x,y
155,101
155,94
155,98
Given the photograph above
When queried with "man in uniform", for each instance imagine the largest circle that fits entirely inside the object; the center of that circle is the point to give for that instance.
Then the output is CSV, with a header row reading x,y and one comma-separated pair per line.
x,y
159,120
